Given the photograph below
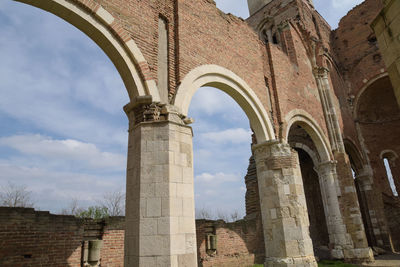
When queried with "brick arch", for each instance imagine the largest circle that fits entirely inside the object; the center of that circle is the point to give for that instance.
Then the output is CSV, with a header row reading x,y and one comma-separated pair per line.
x,y
315,159
356,159
370,82
233,85
306,121
99,25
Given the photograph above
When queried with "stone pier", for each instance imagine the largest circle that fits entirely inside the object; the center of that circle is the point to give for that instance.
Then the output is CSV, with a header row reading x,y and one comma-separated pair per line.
x,y
283,206
160,223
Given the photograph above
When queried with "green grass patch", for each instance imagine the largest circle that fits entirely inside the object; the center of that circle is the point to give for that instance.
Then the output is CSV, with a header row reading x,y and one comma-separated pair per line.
x,y
324,263
327,263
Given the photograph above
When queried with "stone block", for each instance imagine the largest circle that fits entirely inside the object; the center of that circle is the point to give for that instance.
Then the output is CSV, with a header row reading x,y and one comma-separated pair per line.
x,y
154,245
178,244
187,260
188,207
148,226
153,207
148,261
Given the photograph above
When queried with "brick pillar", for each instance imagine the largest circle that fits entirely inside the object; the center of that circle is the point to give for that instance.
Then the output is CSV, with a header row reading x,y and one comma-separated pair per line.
x,y
160,223
283,206
350,210
339,239
374,211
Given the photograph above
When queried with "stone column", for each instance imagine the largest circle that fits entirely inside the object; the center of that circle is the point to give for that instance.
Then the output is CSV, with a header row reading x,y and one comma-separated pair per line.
x,y
283,206
331,118
338,236
160,223
374,211
350,210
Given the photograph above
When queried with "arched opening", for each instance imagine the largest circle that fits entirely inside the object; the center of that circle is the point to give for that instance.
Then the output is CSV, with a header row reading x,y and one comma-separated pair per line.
x,y
249,243
64,133
389,160
221,151
377,117
390,176
364,189
310,160
98,24
230,83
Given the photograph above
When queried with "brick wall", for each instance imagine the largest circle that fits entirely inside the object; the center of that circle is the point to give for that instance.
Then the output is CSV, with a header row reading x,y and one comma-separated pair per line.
x,y
37,238
392,210
238,244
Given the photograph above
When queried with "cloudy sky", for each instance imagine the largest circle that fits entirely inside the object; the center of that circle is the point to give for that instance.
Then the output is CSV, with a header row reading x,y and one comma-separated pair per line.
x,y
64,133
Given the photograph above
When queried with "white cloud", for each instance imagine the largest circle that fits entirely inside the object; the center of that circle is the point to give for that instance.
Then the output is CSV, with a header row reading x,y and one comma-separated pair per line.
x,y
57,79
216,178
84,154
209,100
233,136
53,190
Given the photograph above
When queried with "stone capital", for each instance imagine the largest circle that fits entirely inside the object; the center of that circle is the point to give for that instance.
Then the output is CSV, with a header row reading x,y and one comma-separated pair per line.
x,y
326,167
143,110
321,72
272,148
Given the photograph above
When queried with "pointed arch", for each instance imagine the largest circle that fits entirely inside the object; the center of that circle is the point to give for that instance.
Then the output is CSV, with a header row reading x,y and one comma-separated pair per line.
x,y
99,25
234,86
306,121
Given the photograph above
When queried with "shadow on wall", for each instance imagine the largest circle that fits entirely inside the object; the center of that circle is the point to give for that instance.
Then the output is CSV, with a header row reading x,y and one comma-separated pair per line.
x,y
392,211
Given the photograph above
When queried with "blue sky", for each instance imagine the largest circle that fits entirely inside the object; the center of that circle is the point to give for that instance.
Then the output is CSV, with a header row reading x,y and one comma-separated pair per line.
x,y
64,133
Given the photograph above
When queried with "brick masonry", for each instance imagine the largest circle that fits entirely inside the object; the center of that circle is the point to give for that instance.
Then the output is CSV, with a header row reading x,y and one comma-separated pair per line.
x,y
37,238
336,82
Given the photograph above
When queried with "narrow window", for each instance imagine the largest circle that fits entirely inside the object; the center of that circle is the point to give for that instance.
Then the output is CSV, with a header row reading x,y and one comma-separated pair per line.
x,y
390,176
163,59
275,39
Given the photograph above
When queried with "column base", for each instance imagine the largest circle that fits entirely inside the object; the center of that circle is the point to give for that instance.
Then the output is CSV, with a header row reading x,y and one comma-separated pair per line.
x,y
359,255
306,261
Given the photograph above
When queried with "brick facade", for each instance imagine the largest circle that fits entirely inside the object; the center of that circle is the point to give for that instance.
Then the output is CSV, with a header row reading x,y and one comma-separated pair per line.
x,y
327,94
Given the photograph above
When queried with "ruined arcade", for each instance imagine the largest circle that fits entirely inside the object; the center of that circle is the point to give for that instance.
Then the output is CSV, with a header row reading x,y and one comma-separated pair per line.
x,y
321,103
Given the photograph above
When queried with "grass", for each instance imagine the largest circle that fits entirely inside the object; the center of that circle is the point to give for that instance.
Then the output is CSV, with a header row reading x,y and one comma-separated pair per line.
x,y
323,264
326,263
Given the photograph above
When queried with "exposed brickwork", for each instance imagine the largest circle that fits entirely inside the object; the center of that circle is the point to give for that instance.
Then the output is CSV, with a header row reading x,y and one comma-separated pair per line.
x,y
29,238
37,238
392,210
238,244
288,55
33,238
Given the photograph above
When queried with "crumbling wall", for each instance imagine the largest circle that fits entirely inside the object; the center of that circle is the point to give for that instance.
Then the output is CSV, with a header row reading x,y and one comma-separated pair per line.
x,y
238,244
38,238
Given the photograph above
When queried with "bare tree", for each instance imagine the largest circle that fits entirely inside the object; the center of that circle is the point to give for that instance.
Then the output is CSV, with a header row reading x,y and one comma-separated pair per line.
x,y
222,216
73,208
203,214
234,216
114,202
13,195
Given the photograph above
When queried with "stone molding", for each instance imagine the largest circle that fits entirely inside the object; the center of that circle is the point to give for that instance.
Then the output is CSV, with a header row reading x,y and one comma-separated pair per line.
x,y
227,81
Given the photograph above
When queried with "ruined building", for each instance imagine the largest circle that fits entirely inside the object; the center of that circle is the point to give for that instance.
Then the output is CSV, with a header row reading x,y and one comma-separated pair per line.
x,y
322,105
